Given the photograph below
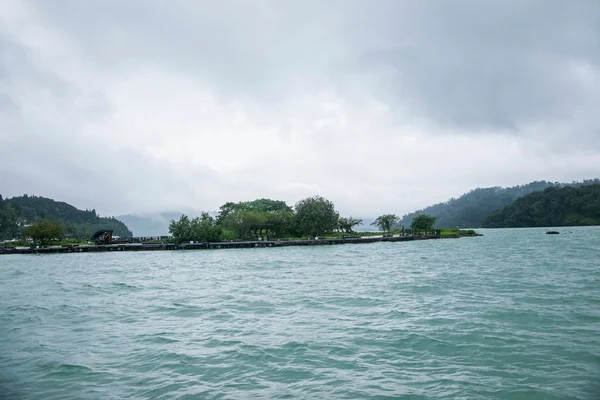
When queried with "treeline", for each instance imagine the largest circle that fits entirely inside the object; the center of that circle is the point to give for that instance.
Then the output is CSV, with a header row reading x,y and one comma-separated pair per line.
x,y
9,217
246,220
266,218
16,213
472,208
554,206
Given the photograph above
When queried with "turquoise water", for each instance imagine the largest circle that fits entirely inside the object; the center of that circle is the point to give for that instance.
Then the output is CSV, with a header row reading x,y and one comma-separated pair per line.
x,y
514,314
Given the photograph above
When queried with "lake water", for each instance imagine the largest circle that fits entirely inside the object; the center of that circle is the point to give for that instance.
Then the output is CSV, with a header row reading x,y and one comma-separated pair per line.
x,y
514,314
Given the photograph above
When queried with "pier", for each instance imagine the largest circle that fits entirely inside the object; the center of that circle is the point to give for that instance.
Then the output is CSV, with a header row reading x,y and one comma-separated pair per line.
x,y
212,245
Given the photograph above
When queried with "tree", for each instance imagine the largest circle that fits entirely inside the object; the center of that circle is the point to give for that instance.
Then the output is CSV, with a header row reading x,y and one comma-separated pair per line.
x,y
240,221
8,220
200,229
237,218
266,205
225,210
181,229
44,231
282,222
315,216
423,222
205,229
258,205
346,224
386,222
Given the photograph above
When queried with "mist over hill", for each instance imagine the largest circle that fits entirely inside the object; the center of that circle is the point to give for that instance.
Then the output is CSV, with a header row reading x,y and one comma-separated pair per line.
x,y
153,224
471,209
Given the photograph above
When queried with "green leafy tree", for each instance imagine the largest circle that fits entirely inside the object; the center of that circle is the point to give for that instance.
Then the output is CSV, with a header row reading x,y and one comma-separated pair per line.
x,y
315,216
282,222
44,231
200,229
240,221
9,226
266,205
386,222
258,205
225,210
423,222
346,224
205,229
181,229
237,218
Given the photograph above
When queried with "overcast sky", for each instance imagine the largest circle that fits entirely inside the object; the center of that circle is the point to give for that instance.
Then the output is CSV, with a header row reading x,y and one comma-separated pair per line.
x,y
381,106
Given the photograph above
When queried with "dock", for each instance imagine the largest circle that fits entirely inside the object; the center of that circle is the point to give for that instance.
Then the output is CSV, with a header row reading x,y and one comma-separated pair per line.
x,y
233,244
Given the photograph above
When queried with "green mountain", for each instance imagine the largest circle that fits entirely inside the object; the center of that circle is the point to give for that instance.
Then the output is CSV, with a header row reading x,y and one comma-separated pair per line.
x,y
471,209
566,206
17,212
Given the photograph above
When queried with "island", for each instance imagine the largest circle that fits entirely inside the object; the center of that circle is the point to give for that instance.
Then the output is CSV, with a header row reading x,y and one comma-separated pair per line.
x,y
258,223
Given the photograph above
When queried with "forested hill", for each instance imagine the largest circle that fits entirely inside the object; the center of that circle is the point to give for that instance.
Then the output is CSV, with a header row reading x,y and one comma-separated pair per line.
x,y
19,211
470,209
567,206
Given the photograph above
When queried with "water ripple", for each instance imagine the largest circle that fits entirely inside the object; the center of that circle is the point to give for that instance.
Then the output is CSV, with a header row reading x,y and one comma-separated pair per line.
x,y
514,314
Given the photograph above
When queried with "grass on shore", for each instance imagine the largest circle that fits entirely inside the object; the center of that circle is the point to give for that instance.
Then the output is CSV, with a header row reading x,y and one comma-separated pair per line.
x,y
63,242
455,232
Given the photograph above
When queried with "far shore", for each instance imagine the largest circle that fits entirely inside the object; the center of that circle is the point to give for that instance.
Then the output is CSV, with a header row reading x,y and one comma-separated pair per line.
x,y
232,244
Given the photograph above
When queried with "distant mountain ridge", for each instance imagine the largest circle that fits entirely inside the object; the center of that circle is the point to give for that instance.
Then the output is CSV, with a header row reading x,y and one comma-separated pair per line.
x,y
20,211
153,224
565,206
471,209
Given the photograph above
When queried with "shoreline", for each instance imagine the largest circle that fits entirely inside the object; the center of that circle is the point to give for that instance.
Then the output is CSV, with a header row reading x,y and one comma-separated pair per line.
x,y
213,245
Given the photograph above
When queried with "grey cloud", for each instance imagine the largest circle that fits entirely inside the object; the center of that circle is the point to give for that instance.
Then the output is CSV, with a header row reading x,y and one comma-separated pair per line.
x,y
469,66
18,67
487,64
42,152
240,47
7,104
114,181
466,63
